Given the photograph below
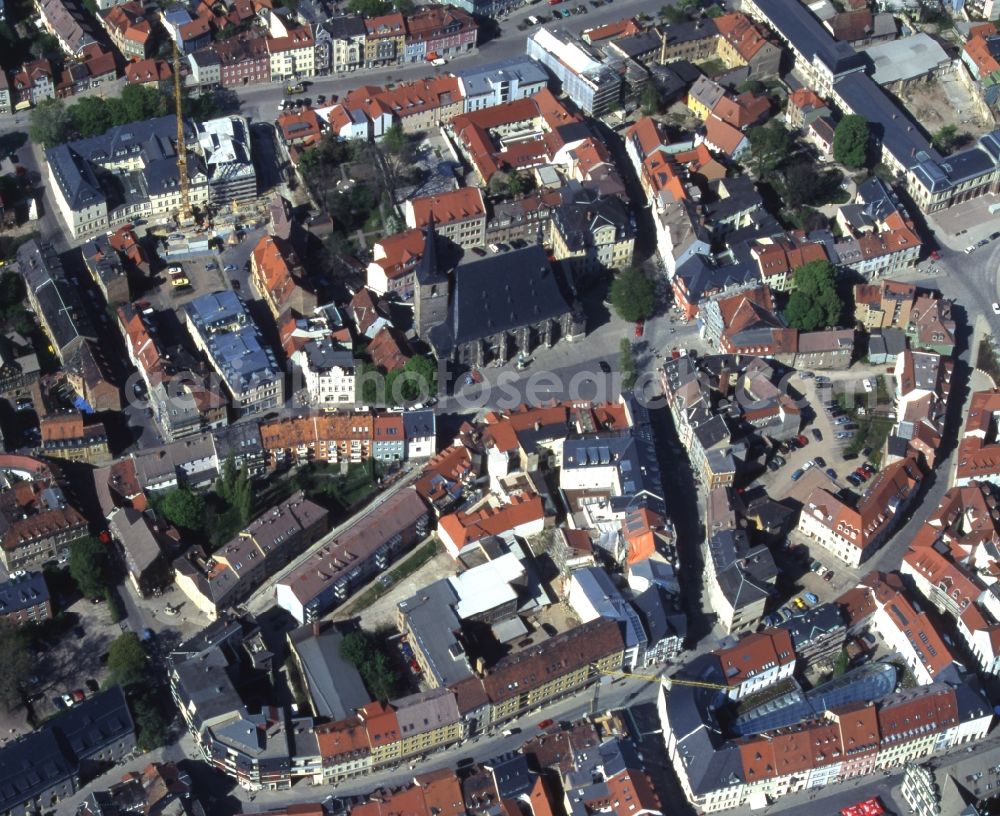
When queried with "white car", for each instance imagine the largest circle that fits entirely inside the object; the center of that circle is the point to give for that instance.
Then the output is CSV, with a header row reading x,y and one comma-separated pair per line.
x,y
996,308
970,249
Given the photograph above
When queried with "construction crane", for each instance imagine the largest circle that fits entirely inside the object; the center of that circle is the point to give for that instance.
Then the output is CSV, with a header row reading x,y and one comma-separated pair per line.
x,y
655,678
185,215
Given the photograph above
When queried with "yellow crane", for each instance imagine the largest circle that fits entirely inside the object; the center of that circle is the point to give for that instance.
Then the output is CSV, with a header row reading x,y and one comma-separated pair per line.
x,y
185,214
654,678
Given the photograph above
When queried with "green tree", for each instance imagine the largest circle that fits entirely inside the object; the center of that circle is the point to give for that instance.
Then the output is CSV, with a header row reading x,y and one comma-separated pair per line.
x,y
814,304
395,142
806,185
650,100
12,291
368,8
126,660
88,565
91,116
945,139
626,363
841,664
17,665
183,508
499,183
243,495
518,184
754,86
366,654
851,140
51,123
770,145
149,719
136,103
46,46
633,295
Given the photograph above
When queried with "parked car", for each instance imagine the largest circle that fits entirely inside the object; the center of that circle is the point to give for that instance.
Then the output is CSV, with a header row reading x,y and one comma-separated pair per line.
x,y
819,461
640,327
815,566
796,475
831,473
810,598
828,575
854,480
845,434
780,460
817,434
802,441
546,723
773,466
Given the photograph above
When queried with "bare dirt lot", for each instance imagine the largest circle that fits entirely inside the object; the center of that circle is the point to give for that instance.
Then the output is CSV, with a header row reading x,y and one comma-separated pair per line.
x,y
945,102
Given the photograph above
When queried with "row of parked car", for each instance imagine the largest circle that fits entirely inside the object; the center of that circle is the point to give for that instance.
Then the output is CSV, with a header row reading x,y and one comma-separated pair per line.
x,y
798,604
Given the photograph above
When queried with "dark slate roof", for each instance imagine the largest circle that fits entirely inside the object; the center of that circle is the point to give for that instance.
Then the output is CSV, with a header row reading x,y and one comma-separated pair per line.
x,y
335,687
889,124
795,23
748,579
418,424
96,722
30,766
702,276
500,293
513,777
659,614
584,211
22,591
344,27
810,624
75,177
59,302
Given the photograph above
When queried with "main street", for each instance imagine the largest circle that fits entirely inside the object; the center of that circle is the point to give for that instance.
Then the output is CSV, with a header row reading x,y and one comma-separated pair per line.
x,y
261,101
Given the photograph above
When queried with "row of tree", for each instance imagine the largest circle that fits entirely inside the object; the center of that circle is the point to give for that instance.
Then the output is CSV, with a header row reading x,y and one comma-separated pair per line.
x,y
364,651
54,122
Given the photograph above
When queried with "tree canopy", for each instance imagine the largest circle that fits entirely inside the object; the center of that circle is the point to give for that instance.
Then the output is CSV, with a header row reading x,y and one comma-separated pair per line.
x,y
814,304
88,565
626,362
364,652
651,101
126,660
51,123
233,487
633,295
16,666
807,185
183,508
850,141
769,147
946,138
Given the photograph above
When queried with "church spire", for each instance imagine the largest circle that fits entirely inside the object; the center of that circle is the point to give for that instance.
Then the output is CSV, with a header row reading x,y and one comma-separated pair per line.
x,y
427,270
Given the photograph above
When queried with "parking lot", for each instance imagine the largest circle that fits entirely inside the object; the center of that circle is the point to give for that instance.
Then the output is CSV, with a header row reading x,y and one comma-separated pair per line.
x,y
204,273
73,660
796,475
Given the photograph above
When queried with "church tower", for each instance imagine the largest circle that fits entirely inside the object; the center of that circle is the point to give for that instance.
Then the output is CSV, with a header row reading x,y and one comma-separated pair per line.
x,y
430,292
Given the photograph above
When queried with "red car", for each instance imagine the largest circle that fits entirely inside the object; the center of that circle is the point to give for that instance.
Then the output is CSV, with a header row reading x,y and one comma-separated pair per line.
x,y
862,474
545,723
78,695
640,326
935,255
802,441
